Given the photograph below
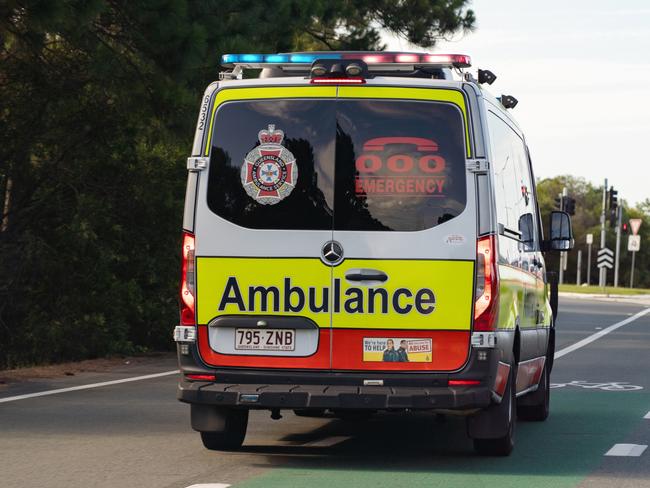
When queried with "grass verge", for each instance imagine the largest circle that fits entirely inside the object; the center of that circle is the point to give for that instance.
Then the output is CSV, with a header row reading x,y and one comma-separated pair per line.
x,y
609,290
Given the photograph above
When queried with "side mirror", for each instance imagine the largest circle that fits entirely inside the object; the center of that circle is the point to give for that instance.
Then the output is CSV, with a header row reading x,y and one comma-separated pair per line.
x,y
561,234
527,230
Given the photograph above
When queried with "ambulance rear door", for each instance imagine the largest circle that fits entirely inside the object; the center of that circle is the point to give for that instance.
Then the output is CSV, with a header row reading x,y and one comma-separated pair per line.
x,y
265,210
405,225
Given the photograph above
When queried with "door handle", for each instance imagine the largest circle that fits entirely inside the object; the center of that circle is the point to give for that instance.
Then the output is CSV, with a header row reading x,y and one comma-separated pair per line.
x,y
366,275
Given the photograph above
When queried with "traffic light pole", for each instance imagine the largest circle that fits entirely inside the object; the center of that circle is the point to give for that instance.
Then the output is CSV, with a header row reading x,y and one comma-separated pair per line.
x,y
619,217
603,273
563,199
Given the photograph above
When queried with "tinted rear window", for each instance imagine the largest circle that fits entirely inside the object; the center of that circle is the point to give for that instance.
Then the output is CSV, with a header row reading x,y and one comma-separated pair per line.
x,y
342,164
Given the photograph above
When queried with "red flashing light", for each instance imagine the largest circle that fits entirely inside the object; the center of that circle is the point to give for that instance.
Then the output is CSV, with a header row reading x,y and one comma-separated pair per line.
x,y
457,60
407,58
338,81
487,283
187,281
464,382
201,377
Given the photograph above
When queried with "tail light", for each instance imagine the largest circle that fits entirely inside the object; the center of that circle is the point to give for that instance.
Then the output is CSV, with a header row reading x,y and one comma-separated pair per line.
x,y
187,281
486,297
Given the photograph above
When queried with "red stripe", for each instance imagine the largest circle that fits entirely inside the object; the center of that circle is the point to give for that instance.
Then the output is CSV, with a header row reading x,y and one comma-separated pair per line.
x,y
449,352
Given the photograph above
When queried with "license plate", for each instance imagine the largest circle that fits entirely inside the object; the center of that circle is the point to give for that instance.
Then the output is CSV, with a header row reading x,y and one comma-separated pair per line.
x,y
265,340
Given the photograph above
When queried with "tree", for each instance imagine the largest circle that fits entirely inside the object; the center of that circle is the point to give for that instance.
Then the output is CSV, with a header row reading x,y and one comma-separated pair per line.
x,y
586,221
99,99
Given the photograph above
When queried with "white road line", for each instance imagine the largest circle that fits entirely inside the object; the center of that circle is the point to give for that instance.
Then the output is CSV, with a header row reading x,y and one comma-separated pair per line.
x,y
647,416
626,450
327,442
86,387
600,333
558,354
209,485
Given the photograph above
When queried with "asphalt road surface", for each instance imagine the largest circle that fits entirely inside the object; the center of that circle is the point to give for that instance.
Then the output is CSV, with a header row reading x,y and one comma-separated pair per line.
x,y
135,434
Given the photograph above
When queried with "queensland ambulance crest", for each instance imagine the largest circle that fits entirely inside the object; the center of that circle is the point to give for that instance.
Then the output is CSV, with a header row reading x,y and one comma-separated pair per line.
x,y
269,172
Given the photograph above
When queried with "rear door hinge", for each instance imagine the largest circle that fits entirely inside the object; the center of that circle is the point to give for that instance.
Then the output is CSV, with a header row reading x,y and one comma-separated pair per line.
x,y
477,165
197,163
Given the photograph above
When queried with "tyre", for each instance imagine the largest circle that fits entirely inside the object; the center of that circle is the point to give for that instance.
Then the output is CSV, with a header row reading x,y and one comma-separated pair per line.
x,y
232,435
535,406
505,415
310,412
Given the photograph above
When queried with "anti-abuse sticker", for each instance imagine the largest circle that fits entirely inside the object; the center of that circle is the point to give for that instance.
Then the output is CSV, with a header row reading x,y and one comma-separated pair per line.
x,y
397,350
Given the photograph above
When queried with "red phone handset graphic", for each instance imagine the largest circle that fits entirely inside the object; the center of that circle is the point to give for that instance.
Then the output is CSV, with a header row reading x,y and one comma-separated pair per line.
x,y
429,164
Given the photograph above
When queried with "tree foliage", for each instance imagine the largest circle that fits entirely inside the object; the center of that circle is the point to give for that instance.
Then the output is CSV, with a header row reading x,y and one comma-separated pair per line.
x,y
587,221
99,98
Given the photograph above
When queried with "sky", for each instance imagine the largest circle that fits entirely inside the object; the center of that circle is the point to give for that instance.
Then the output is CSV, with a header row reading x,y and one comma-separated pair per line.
x,y
581,72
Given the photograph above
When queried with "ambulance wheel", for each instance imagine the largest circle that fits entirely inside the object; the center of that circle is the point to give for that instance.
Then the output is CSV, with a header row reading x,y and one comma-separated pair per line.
x,y
535,406
504,415
309,412
232,435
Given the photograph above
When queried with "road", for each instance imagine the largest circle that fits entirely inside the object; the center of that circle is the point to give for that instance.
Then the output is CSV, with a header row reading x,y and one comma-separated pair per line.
x,y
135,434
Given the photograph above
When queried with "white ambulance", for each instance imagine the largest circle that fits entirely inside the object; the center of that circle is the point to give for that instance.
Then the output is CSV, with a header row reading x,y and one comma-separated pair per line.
x,y
361,234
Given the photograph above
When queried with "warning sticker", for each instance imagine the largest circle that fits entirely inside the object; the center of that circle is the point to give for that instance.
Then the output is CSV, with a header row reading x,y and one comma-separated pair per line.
x,y
397,350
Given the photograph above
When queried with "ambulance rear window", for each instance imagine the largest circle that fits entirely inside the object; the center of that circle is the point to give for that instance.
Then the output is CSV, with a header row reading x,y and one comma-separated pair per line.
x,y
382,165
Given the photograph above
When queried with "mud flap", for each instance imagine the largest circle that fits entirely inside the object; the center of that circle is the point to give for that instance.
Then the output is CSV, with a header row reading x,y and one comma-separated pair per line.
x,y
489,423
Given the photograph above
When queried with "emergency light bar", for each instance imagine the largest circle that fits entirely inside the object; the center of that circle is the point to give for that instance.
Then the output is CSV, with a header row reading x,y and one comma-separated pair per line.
x,y
256,61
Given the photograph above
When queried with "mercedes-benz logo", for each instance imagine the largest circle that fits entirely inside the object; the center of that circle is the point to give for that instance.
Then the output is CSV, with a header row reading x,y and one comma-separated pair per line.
x,y
332,253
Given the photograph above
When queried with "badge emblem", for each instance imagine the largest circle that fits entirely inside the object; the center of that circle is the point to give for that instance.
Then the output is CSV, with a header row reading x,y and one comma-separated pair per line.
x,y
269,172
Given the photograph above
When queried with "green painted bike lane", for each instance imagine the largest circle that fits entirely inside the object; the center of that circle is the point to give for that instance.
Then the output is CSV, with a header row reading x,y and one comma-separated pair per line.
x,y
560,452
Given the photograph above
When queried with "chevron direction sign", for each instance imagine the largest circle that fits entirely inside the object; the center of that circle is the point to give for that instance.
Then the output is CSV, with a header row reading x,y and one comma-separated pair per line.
x,y
605,258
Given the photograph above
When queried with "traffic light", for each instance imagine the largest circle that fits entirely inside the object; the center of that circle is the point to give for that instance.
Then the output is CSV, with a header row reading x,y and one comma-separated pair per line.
x,y
559,202
613,199
613,217
570,205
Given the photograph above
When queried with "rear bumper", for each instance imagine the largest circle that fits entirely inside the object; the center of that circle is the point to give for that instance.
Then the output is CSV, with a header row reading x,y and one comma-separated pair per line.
x,y
260,396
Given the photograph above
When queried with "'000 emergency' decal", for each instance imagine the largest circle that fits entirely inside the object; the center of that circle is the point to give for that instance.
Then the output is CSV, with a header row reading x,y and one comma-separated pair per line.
x,y
419,294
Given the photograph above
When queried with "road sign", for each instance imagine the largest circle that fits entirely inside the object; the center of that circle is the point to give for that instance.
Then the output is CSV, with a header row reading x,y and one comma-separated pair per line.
x,y
605,258
634,243
590,238
635,224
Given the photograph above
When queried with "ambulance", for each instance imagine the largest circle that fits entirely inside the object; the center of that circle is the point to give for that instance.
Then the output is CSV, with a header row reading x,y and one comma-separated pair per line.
x,y
361,234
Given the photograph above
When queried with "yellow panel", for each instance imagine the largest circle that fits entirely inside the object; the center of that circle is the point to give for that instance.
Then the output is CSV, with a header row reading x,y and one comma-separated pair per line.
x,y
220,279
230,94
433,94
449,282
425,295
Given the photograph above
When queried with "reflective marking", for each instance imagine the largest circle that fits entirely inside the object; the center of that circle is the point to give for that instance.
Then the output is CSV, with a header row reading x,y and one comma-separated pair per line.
x,y
647,416
627,450
209,485
327,442
599,334
87,387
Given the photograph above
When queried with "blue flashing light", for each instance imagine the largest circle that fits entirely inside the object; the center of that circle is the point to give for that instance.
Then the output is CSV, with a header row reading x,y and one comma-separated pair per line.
x,y
229,58
310,58
251,58
306,58
276,58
